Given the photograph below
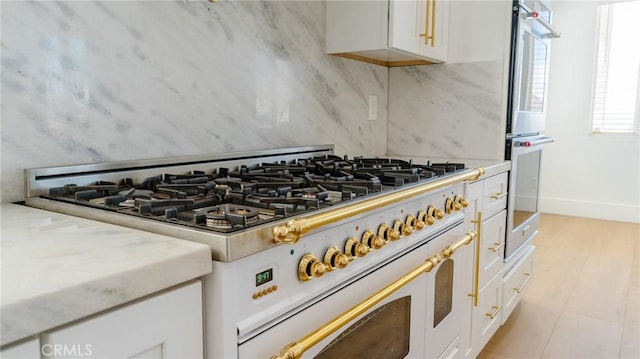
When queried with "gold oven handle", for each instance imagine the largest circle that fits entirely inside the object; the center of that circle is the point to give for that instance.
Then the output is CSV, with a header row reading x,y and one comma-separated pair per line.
x,y
295,228
297,348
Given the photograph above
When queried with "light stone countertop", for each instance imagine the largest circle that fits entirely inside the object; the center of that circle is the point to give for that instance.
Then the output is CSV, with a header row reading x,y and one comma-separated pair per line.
x,y
57,268
492,167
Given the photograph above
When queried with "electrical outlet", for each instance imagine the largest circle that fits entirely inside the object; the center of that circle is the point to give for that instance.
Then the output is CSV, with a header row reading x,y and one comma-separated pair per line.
x,y
373,107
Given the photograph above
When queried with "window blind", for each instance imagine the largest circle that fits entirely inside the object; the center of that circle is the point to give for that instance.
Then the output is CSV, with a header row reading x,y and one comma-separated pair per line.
x,y
616,93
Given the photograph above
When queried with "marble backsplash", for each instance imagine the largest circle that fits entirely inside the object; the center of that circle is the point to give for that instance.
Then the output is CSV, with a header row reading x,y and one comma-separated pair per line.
x,y
447,111
86,82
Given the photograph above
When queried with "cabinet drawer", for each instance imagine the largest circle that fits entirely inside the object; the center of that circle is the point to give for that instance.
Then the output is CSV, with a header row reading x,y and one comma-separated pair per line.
x,y
495,193
488,315
516,282
492,247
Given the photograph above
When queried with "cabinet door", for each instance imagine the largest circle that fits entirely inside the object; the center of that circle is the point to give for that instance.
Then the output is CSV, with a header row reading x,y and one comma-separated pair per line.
x,y
488,314
516,282
492,246
167,325
419,27
25,350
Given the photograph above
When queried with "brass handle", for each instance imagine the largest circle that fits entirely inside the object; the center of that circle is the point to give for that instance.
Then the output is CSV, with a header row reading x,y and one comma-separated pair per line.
x,y
295,228
433,23
426,23
499,195
518,290
297,348
429,15
497,247
497,309
476,278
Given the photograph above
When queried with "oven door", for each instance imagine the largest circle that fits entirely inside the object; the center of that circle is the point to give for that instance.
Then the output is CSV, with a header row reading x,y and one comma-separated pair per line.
x,y
369,319
532,57
524,191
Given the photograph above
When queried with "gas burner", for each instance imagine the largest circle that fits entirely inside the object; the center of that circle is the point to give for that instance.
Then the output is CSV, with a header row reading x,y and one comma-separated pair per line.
x,y
229,215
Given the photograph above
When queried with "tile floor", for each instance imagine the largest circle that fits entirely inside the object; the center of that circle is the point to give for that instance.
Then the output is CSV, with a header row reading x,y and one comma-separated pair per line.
x,y
585,298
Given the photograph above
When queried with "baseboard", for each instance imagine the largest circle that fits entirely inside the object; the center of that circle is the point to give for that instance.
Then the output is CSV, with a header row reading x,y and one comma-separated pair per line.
x,y
591,209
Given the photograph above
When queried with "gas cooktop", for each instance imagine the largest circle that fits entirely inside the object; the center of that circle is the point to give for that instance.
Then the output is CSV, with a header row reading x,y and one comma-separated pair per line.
x,y
230,199
238,203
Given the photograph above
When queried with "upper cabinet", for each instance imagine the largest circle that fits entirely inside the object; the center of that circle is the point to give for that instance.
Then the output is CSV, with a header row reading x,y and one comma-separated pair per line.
x,y
416,32
389,33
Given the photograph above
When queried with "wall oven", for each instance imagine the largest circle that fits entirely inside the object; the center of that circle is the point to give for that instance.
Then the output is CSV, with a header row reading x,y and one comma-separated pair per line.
x,y
531,33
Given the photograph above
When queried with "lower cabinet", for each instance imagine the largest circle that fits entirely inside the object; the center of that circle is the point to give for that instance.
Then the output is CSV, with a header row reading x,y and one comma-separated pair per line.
x,y
516,281
488,314
24,349
165,325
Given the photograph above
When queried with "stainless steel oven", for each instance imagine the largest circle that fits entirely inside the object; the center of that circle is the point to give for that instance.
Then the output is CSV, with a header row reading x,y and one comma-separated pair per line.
x,y
529,70
524,191
531,33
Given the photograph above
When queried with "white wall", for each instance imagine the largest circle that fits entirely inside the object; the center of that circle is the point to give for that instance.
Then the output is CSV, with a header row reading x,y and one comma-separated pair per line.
x,y
595,176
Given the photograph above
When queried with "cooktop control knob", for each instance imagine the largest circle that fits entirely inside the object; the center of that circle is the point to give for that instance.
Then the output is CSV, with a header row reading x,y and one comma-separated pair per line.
x,y
424,219
448,205
460,201
414,222
387,233
403,228
353,248
310,267
372,241
432,214
335,259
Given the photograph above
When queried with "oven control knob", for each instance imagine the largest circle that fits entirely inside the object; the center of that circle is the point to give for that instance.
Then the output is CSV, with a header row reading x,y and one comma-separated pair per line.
x,y
403,228
448,205
354,249
310,267
335,259
421,221
460,202
372,241
414,222
387,233
432,214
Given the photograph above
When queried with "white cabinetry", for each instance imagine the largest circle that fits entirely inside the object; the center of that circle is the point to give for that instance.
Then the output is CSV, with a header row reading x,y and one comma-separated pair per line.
x,y
516,281
167,325
25,350
388,33
487,213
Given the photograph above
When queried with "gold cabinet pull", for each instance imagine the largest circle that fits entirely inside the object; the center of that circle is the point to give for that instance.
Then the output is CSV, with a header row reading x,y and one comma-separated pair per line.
x,y
295,228
496,310
297,348
426,24
518,290
499,195
476,270
497,247
433,23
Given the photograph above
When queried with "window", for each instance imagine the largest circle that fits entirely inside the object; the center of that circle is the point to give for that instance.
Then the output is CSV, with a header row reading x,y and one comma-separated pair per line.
x,y
616,94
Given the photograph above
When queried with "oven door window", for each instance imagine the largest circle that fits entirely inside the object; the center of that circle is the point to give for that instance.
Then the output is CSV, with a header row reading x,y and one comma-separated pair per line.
x,y
443,301
526,193
534,73
384,333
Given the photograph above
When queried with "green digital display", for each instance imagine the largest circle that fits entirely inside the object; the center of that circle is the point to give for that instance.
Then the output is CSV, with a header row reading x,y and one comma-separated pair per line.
x,y
264,277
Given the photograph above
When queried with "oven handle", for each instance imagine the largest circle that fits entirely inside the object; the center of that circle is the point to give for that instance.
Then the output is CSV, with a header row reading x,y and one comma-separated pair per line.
x,y
295,228
297,348
534,142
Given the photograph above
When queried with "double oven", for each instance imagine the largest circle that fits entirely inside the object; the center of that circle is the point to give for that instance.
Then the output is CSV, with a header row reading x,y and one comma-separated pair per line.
x,y
531,36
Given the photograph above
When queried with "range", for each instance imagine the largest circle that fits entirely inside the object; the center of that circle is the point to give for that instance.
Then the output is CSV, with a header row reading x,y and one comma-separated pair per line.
x,y
357,215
